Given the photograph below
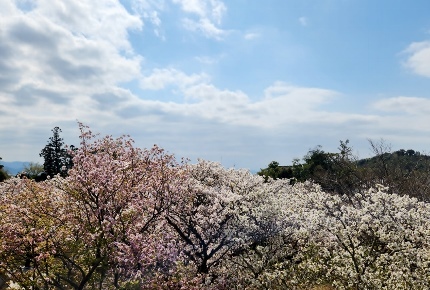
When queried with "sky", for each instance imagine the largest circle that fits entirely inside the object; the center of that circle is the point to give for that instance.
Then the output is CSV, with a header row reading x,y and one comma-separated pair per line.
x,y
241,82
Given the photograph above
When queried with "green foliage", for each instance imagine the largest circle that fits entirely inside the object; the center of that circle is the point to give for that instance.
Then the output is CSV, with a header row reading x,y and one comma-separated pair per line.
x,y
405,172
275,171
33,169
335,172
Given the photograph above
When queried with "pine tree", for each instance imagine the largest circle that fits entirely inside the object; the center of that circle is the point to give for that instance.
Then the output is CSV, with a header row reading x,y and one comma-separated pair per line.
x,y
56,158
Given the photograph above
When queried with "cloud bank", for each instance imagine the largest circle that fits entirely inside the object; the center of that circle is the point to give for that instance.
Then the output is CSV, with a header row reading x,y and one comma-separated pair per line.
x,y
64,61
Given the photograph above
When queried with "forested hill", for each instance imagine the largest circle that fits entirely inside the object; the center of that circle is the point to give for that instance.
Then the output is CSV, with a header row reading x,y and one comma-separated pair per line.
x,y
403,171
406,159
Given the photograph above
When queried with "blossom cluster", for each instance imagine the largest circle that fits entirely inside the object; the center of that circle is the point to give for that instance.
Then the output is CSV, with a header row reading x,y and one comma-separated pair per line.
x,y
130,218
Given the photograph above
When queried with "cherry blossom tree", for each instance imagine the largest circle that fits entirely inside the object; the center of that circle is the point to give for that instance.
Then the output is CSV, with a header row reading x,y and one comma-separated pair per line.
x,y
375,240
100,227
122,192
278,239
206,218
231,219
32,228
131,218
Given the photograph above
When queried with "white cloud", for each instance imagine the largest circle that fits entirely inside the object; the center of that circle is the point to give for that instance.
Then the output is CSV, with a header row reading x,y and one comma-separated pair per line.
x,y
281,106
205,26
211,9
404,122
419,58
64,45
149,11
161,78
204,16
63,61
410,105
193,6
105,20
209,16
8,8
56,55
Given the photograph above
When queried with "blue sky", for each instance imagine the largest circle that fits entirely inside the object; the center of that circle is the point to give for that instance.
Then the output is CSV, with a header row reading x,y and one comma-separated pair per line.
x,y
239,82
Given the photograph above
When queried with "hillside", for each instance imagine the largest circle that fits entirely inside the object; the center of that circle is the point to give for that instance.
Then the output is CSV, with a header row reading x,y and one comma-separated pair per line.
x,y
406,172
406,159
14,167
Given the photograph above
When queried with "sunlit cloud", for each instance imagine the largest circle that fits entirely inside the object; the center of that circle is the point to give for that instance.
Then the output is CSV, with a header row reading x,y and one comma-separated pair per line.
x,y
161,78
209,15
418,60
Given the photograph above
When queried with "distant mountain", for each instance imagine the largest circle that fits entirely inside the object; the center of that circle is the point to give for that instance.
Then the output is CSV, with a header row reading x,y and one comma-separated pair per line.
x,y
14,167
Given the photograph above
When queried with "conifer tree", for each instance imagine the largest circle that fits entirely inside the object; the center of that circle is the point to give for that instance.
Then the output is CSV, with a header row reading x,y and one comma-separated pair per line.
x,y
3,174
56,158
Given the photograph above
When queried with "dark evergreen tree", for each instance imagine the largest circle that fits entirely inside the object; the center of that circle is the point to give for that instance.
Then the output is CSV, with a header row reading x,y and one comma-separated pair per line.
x,y
69,157
3,174
275,171
57,160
